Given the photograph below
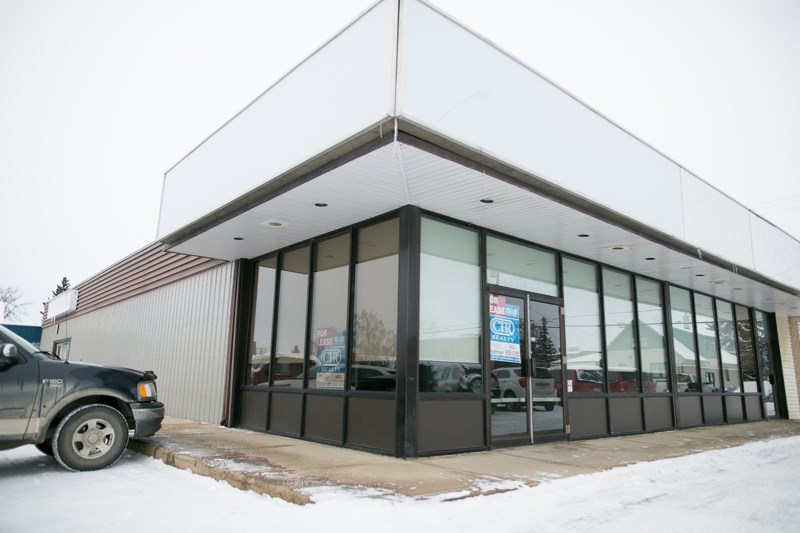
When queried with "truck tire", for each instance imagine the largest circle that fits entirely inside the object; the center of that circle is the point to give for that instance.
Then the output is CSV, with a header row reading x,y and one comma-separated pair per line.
x,y
91,437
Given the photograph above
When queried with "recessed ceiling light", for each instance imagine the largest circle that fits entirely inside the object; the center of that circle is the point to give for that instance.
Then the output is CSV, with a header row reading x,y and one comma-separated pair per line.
x,y
618,247
583,235
718,281
737,288
487,201
700,275
238,238
272,223
649,258
320,204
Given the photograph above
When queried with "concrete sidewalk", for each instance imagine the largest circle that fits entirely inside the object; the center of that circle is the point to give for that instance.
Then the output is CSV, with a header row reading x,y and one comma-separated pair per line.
x,y
282,467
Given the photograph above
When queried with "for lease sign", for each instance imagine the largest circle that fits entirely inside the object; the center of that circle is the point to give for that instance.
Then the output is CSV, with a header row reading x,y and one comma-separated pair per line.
x,y
503,330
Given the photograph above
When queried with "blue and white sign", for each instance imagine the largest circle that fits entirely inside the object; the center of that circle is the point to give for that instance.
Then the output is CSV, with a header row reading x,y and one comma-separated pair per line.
x,y
503,330
330,366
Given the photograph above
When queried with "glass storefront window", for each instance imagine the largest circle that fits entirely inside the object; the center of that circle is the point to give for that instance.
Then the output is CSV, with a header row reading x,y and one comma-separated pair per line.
x,y
257,372
450,309
747,356
731,375
652,344
327,355
623,369
582,327
529,269
291,334
374,356
710,379
683,340
765,360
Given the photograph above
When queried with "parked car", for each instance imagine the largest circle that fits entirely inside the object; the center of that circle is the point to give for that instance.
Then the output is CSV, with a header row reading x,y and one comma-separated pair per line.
x,y
473,377
373,378
449,378
688,383
513,384
588,379
627,380
80,413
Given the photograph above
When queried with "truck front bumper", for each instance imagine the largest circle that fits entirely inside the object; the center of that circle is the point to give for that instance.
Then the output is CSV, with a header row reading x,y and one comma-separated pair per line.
x,y
148,417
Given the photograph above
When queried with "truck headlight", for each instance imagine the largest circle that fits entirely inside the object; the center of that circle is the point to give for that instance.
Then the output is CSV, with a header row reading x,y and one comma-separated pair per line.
x,y
146,391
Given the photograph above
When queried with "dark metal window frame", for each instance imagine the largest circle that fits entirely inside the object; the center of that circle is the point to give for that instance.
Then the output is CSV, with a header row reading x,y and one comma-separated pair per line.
x,y
407,392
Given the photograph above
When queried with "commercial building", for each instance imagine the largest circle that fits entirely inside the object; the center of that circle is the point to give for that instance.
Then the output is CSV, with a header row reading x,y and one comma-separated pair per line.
x,y
414,244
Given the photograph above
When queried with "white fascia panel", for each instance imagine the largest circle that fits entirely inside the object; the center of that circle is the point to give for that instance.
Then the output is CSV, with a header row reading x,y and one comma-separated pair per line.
x,y
459,84
340,90
776,254
716,223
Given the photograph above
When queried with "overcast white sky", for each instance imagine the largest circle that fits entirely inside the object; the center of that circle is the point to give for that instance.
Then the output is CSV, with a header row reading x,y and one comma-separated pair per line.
x,y
98,98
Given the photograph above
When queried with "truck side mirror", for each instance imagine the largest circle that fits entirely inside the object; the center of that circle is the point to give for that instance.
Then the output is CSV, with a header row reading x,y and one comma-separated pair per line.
x,y
9,351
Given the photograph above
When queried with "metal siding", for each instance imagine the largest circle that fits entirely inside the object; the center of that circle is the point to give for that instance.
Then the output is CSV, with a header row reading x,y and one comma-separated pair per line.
x,y
788,328
179,330
144,270
32,334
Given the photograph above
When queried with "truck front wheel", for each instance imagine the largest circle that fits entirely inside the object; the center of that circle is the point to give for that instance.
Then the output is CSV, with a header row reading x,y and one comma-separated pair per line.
x,y
91,437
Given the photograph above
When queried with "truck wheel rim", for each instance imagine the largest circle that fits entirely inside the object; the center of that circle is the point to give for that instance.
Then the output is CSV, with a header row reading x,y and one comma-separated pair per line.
x,y
93,438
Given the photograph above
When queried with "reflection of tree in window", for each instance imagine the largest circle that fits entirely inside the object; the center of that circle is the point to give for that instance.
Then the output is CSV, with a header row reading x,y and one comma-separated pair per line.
x,y
375,306
762,344
731,376
545,352
373,340
746,353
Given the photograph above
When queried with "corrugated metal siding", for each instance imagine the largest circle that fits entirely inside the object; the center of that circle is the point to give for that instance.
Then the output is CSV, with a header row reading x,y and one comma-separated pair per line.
x,y
179,330
789,342
29,333
144,270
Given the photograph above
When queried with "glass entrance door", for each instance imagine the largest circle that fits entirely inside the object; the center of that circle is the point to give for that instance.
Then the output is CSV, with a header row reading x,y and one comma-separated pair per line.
x,y
525,365
544,340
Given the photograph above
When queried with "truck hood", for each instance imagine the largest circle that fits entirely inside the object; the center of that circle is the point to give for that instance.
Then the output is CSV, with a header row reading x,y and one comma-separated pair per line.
x,y
74,376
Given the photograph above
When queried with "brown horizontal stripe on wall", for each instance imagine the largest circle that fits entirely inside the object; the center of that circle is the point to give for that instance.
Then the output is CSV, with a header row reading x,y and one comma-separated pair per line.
x,y
144,270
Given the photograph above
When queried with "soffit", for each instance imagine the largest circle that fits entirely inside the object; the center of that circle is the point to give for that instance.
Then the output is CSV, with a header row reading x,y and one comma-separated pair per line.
x,y
398,174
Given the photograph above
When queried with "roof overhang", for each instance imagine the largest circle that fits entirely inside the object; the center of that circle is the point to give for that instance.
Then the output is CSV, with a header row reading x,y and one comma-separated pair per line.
x,y
433,115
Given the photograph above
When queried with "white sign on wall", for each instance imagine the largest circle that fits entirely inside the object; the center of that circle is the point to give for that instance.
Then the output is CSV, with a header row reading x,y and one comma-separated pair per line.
x,y
65,302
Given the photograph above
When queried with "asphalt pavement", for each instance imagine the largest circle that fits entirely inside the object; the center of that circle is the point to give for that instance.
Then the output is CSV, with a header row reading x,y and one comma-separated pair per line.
x,y
283,467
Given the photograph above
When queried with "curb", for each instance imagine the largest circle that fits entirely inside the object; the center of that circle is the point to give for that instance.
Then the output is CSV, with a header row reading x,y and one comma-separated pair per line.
x,y
238,479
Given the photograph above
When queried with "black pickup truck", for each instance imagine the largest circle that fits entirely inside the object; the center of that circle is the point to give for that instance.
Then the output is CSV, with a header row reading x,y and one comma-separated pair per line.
x,y
81,413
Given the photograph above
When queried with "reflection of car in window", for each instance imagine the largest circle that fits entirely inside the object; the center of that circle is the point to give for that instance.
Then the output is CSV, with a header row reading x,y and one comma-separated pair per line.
x,y
590,379
688,383
373,378
363,377
512,386
448,378
580,379
627,380
436,376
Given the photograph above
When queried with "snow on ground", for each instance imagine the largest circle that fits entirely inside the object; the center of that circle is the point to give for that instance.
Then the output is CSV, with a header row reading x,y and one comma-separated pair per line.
x,y
749,488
